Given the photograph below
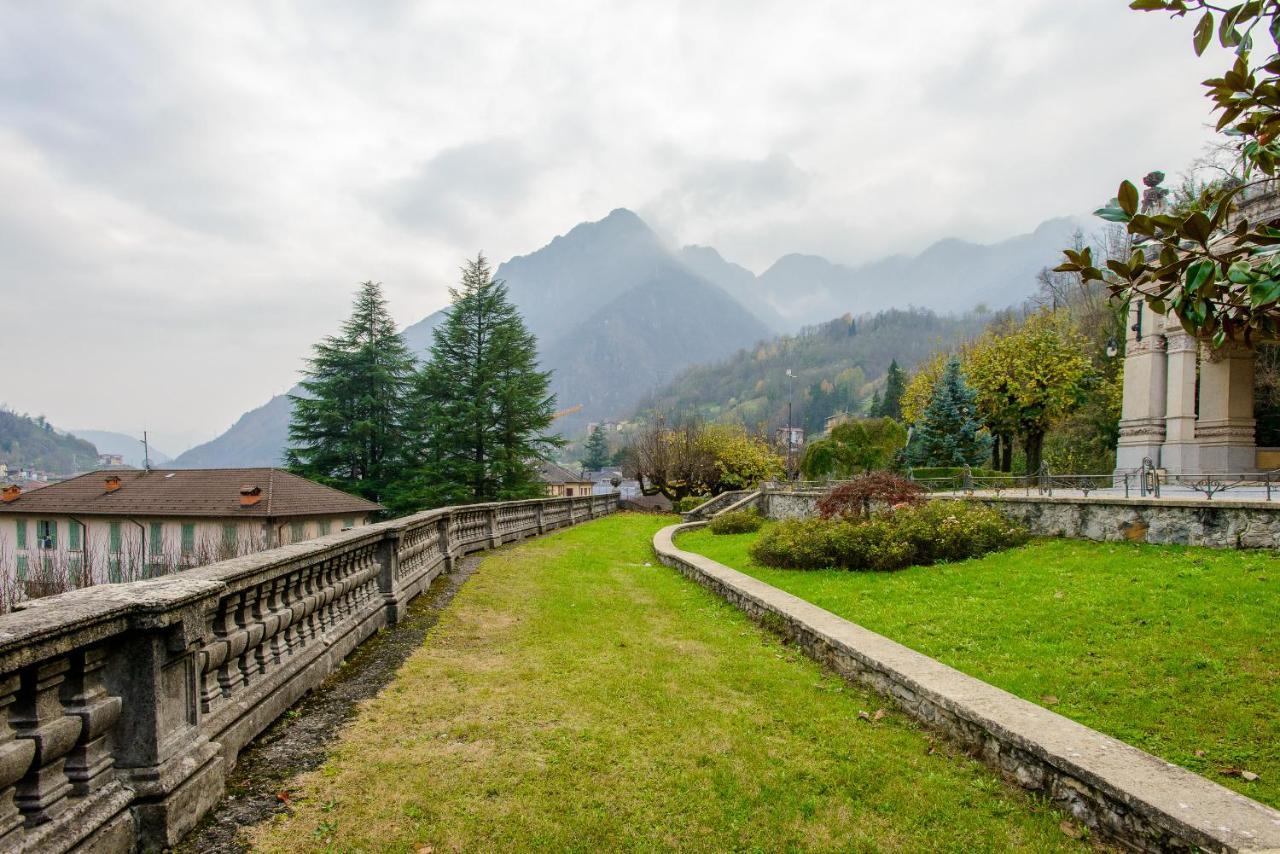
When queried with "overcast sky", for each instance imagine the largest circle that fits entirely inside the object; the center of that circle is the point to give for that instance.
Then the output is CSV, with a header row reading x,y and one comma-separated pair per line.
x,y
189,192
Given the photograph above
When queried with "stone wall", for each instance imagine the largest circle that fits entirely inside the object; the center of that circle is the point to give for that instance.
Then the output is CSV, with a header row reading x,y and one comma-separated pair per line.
x,y
1116,790
123,706
1218,523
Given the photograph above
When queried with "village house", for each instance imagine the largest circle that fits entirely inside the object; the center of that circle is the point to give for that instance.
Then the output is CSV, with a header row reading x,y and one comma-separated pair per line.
x,y
562,482
118,525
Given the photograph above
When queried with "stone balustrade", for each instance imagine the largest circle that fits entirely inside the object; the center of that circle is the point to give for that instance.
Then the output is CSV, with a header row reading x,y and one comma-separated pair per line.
x,y
123,706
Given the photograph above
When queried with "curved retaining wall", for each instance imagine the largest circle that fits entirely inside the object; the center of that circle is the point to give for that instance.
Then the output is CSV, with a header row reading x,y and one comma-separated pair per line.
x,y
122,706
1116,789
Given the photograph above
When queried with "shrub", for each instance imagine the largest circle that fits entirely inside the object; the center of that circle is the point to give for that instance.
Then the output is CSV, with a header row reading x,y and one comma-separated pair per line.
x,y
937,531
858,497
689,502
737,522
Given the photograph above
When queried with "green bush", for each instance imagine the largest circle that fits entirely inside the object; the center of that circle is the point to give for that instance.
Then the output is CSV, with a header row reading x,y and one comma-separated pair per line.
x,y
937,531
689,502
737,522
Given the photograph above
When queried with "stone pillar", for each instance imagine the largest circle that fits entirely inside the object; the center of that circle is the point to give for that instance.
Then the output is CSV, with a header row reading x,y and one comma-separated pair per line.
x,y
173,768
388,570
1225,431
1180,453
1142,413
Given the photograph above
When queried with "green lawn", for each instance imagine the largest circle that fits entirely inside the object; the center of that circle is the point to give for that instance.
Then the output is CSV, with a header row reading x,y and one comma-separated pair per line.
x,y
579,696
1172,649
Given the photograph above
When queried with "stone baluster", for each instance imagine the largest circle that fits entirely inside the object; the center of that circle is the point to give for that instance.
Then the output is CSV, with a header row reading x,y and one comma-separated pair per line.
x,y
15,759
38,715
255,631
90,763
442,541
282,617
227,629
294,637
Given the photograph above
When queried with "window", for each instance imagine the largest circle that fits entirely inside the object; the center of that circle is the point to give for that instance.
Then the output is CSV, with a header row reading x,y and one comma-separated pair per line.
x,y
22,533
47,534
348,522
22,567
324,527
568,490
114,539
157,539
230,541
74,531
188,539
297,532
114,575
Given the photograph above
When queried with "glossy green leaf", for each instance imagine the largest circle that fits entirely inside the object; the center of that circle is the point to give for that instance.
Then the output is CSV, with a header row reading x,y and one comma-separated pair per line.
x,y
1128,198
1204,32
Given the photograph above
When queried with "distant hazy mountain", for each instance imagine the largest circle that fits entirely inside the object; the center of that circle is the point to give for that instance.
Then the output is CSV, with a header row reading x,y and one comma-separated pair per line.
x,y
616,314
949,276
123,444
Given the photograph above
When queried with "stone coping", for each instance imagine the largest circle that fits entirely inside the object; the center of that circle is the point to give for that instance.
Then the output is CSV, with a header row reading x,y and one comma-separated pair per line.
x,y
1117,500
1180,806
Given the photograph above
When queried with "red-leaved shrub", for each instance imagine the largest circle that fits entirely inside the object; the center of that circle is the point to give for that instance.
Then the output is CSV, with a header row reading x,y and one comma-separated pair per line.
x,y
854,500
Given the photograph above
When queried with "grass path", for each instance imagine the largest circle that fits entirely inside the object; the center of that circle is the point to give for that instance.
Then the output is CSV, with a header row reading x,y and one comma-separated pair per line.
x,y
578,696
1172,649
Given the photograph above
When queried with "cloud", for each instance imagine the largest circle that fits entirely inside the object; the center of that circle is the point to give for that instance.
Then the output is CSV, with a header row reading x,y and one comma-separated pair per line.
x,y
187,200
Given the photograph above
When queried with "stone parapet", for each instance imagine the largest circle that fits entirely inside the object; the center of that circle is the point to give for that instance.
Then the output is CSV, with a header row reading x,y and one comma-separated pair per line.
x,y
1117,790
122,706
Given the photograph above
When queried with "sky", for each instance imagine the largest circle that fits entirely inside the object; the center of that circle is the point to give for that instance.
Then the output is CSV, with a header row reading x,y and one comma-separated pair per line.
x,y
189,193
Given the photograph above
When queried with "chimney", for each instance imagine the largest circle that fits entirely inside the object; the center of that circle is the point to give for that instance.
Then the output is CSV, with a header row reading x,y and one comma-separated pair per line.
x,y
11,493
113,482
250,495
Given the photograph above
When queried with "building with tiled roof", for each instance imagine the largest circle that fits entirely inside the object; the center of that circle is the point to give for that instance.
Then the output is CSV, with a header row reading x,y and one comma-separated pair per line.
x,y
121,524
560,481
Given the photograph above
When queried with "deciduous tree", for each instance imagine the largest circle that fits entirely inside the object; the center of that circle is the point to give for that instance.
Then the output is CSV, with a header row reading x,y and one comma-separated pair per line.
x,y
854,447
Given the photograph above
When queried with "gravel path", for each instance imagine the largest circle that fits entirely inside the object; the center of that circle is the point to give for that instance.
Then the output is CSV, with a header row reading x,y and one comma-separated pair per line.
x,y
298,741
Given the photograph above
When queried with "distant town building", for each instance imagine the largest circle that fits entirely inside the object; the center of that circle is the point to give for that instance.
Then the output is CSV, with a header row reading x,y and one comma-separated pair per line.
x,y
834,421
628,489
560,481
117,525
796,437
112,461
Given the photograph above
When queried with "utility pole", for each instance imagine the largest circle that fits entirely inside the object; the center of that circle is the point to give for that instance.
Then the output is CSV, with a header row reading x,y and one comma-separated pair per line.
x,y
146,453
791,385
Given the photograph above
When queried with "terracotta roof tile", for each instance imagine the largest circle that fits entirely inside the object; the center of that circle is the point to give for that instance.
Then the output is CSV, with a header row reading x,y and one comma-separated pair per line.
x,y
188,492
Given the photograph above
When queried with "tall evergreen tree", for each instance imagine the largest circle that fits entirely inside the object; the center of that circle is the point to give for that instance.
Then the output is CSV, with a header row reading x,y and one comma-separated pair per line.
x,y
895,384
480,407
949,432
348,430
596,451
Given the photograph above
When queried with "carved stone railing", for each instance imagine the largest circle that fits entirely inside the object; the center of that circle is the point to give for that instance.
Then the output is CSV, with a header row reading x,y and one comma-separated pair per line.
x,y
123,706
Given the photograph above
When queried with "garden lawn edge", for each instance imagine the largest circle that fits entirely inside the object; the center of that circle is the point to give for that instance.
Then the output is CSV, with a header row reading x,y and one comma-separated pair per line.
x,y
1116,789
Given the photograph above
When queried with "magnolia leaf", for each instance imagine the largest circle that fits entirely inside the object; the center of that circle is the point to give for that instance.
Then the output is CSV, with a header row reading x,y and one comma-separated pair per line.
x,y
1198,227
1264,292
1204,32
1127,198
1199,273
1147,5
1112,214
1240,273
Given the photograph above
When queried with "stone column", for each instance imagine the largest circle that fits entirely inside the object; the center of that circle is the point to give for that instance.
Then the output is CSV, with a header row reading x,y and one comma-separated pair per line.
x,y
1180,453
1225,431
1145,372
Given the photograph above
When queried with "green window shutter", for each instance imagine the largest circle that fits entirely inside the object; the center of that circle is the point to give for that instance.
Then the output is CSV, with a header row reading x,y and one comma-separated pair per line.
x,y
114,547
75,567
73,535
324,527
22,567
188,538
297,532
229,539
113,569
348,523
22,533
157,539
47,534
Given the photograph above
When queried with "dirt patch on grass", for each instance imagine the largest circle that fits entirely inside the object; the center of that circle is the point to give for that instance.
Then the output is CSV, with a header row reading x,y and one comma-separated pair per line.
x,y
300,740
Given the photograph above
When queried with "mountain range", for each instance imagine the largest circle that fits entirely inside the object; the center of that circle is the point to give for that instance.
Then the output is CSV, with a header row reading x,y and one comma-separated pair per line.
x,y
618,314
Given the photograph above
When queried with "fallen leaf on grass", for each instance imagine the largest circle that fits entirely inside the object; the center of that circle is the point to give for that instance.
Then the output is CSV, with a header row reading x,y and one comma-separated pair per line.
x,y
1200,754
879,715
283,796
864,716
1049,699
427,849
1248,776
1070,828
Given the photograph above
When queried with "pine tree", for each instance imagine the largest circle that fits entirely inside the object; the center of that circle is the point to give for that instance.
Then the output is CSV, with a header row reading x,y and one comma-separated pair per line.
x,y
894,384
596,450
877,406
949,432
347,431
480,406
